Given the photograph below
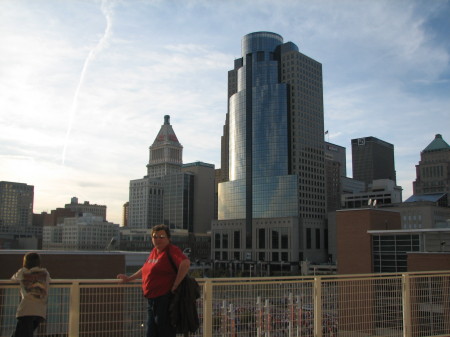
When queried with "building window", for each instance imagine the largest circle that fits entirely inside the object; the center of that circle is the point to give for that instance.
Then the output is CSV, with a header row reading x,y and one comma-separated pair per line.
x,y
237,239
284,241
225,241
261,238
275,240
308,238
317,238
217,240
275,256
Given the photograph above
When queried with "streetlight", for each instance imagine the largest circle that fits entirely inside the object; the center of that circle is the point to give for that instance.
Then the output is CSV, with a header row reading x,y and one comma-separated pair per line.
x,y
251,267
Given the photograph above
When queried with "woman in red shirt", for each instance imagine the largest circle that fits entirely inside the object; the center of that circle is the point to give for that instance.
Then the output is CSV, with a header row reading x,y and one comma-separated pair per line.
x,y
160,280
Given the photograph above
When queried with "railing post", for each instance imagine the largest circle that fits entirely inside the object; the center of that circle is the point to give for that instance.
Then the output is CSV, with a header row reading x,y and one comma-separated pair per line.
x,y
291,321
406,302
74,310
259,317
208,308
318,307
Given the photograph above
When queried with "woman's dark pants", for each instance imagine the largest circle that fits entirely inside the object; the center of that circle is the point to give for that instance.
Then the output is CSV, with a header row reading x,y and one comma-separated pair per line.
x,y
158,323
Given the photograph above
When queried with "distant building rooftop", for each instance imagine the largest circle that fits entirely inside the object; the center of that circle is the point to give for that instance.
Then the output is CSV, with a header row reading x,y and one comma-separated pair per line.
x,y
426,197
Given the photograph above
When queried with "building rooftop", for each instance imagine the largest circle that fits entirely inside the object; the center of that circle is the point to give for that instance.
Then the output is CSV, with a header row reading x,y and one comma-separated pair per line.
x,y
426,197
438,144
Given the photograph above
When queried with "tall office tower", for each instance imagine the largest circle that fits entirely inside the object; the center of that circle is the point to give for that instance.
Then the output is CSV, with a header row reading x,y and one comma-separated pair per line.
x,y
273,202
372,159
433,170
16,204
335,172
165,194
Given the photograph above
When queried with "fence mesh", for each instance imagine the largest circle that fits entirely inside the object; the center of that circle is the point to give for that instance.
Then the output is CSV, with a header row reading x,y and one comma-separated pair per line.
x,y
374,305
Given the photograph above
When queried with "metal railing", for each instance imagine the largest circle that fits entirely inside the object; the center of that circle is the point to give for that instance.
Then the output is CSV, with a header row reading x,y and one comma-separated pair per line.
x,y
408,304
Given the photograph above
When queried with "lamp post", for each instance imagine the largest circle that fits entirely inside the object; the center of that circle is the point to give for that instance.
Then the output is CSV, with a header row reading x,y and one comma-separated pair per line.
x,y
251,267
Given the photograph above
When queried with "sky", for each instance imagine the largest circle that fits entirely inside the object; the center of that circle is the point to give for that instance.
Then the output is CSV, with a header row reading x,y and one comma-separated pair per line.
x,y
85,85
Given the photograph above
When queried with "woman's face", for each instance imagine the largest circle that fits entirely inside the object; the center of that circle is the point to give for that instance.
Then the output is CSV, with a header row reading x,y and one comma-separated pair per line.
x,y
160,240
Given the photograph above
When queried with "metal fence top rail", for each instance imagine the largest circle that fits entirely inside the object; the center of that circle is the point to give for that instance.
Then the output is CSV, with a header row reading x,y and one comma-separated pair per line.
x,y
273,279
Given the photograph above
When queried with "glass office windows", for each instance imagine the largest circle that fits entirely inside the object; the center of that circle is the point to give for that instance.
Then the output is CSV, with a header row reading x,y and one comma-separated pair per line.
x,y
237,139
260,41
232,200
270,131
275,197
390,251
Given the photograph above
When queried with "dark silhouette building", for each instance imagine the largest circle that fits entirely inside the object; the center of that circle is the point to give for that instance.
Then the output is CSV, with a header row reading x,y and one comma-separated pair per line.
x,y
372,159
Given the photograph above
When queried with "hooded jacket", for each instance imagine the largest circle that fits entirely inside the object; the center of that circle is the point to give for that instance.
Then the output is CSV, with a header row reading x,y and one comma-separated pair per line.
x,y
34,284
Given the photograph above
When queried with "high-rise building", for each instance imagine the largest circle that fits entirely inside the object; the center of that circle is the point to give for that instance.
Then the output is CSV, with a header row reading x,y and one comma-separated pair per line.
x,y
16,204
433,170
203,195
372,159
180,196
335,172
272,203
148,195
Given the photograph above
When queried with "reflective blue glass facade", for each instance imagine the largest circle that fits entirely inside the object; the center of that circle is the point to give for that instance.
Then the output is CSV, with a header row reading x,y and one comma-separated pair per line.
x,y
259,183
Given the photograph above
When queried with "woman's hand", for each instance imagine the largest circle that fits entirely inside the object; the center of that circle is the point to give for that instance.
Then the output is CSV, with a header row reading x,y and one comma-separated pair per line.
x,y
123,278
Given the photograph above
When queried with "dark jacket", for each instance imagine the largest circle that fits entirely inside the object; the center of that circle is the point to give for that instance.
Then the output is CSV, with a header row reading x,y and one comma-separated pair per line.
x,y
183,307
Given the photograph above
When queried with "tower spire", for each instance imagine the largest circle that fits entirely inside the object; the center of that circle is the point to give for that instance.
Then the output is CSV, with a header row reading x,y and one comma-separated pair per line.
x,y
166,152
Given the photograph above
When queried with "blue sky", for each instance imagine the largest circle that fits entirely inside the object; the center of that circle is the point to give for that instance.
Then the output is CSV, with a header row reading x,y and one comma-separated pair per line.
x,y
85,85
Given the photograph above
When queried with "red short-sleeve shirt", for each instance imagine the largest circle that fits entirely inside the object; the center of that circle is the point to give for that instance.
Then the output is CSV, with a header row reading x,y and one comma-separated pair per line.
x,y
158,274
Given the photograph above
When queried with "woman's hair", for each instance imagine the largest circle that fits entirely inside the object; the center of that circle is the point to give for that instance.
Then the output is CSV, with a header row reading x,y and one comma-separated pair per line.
x,y
164,228
31,260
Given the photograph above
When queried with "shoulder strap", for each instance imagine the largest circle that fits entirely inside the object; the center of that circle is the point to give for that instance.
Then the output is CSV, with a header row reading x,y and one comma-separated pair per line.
x,y
170,259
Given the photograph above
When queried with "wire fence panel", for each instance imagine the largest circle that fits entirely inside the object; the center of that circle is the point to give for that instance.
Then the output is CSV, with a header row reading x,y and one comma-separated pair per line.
x,y
378,305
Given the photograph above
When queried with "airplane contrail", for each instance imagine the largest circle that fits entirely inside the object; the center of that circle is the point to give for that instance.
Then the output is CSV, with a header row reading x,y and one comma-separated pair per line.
x,y
107,12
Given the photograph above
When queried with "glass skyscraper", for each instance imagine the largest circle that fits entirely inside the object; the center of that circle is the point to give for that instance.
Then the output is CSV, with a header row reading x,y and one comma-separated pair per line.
x,y
272,151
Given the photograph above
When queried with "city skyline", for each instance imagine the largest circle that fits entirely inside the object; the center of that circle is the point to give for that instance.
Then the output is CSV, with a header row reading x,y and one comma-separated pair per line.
x,y
85,85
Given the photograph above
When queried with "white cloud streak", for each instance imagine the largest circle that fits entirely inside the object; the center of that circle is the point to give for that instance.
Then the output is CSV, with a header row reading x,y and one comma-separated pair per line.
x,y
107,12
